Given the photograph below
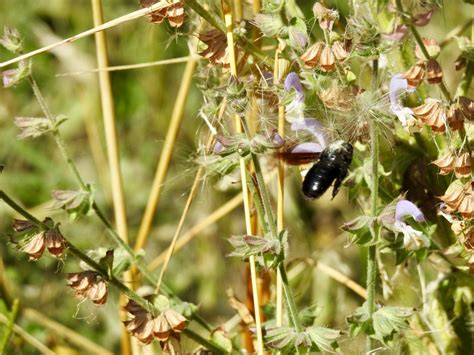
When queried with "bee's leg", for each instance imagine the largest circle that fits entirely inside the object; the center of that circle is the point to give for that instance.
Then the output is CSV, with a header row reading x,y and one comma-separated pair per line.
x,y
338,182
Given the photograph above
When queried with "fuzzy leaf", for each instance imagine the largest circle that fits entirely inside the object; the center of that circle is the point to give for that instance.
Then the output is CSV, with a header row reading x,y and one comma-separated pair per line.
x,y
281,338
324,339
390,320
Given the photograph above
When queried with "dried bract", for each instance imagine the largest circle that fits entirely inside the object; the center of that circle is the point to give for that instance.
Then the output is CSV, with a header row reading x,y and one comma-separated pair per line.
x,y
327,60
434,73
462,165
89,284
216,51
467,107
445,164
339,51
455,118
432,113
174,12
415,74
36,241
312,55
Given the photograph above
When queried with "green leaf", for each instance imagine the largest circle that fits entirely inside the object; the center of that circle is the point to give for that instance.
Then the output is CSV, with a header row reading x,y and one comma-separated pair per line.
x,y
220,338
360,321
325,339
297,34
390,320
281,338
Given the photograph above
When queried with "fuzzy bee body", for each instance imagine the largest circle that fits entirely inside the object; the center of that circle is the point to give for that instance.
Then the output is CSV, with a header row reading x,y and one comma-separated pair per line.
x,y
332,166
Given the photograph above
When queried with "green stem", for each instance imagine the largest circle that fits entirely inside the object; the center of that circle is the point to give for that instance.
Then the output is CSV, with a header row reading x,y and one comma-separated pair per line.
x,y
466,80
264,199
9,327
112,279
372,251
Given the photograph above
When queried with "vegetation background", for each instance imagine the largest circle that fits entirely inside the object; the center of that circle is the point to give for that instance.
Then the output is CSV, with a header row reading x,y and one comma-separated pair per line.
x,y
144,99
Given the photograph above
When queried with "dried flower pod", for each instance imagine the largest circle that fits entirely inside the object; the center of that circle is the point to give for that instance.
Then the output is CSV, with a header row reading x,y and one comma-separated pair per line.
x,y
176,320
445,164
55,242
339,52
174,12
467,107
434,73
89,284
141,327
453,197
462,165
415,74
161,328
312,55
327,61
466,207
455,118
216,51
432,113
35,246
20,225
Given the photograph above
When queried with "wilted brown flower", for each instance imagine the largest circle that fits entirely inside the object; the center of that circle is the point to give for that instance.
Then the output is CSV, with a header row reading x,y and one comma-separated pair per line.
x,y
445,164
434,73
466,208
20,225
431,46
312,55
462,165
327,60
455,118
174,12
460,63
89,284
432,113
216,51
415,74
35,244
467,107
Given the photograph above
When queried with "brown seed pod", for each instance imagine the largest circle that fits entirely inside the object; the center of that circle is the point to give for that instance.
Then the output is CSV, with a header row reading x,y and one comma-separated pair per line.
x,y
312,55
466,207
327,60
462,165
454,197
445,164
216,51
434,73
415,74
174,12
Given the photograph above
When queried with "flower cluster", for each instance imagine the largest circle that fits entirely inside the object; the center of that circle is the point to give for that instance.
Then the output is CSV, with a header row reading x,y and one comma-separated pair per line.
x,y
145,327
35,240
89,284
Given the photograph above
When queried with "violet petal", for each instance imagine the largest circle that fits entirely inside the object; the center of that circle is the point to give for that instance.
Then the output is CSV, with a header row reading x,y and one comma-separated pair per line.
x,y
308,147
313,127
406,208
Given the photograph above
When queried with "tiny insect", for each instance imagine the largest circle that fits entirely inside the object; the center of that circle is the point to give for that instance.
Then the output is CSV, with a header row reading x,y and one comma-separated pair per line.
x,y
331,166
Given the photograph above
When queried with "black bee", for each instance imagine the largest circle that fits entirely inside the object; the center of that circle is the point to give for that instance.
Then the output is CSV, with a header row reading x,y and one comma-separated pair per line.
x,y
331,166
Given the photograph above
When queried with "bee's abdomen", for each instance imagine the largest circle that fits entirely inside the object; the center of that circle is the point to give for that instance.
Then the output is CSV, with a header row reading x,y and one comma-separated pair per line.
x,y
319,178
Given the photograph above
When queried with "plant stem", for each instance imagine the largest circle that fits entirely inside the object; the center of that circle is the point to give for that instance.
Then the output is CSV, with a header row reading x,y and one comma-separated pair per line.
x,y
372,251
112,279
466,80
8,330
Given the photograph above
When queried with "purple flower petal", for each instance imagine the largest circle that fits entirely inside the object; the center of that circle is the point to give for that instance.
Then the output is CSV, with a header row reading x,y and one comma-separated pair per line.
x,y
423,19
398,84
406,208
218,147
313,127
398,33
293,81
308,147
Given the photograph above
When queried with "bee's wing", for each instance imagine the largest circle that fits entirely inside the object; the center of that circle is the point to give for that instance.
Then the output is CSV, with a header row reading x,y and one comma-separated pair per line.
x,y
298,158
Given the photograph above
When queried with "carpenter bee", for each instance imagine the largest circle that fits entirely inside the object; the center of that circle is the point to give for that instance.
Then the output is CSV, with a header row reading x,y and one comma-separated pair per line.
x,y
331,167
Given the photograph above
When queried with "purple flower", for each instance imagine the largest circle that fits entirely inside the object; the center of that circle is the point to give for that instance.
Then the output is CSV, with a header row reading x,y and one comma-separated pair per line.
x,y
423,19
316,129
294,111
412,238
398,85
